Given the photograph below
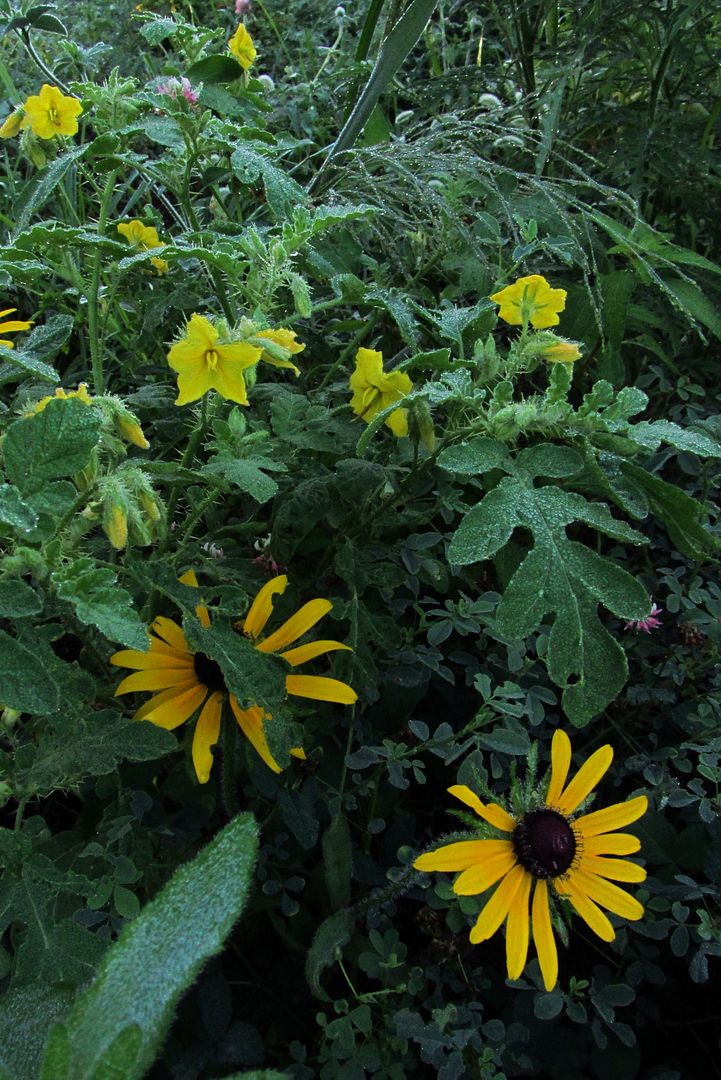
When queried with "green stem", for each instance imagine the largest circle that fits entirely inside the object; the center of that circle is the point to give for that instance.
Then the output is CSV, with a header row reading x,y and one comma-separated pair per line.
x,y
197,514
31,51
228,786
96,352
360,336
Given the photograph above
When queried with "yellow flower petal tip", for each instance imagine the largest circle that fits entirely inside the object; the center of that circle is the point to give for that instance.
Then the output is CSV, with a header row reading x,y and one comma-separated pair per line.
x,y
548,853
530,299
375,390
51,113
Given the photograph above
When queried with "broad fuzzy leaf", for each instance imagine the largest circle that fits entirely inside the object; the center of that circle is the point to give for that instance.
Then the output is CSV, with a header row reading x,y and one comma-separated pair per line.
x,y
56,442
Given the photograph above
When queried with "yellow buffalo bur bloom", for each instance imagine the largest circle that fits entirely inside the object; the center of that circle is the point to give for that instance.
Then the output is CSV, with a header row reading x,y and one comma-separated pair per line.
x,y
375,389
12,326
548,852
51,113
81,394
13,124
242,47
203,363
561,352
144,238
188,680
530,299
285,339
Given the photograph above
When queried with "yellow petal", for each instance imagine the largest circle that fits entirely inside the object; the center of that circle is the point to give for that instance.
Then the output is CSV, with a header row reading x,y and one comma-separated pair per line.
x,y
303,653
481,876
560,764
171,632
295,626
299,752
615,869
611,817
492,813
517,930
207,730
189,578
262,606
611,844
142,661
497,907
320,688
250,722
157,679
608,895
589,912
459,856
201,611
543,935
398,423
171,708
585,779
193,382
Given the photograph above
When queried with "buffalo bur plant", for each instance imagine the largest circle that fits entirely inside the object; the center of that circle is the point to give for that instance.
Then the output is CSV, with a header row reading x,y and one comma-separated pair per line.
x,y
359,447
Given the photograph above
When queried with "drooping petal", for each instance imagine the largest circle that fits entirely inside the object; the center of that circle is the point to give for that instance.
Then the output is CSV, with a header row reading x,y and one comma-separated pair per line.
x,y
497,907
460,855
560,764
295,626
478,878
585,907
207,730
157,679
250,722
194,381
608,895
303,653
262,606
611,844
172,707
172,633
151,660
492,813
201,611
585,779
320,688
615,869
398,422
611,817
543,935
517,929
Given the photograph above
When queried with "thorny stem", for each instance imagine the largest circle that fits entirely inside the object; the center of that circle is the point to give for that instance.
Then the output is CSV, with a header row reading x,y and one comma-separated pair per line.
x,y
93,328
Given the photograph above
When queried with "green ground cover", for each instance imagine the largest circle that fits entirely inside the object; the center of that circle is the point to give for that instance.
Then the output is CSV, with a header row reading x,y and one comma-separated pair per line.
x,y
360,692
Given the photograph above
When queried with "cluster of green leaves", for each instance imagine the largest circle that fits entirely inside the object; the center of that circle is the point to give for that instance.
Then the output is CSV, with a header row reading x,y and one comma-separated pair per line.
x,y
482,569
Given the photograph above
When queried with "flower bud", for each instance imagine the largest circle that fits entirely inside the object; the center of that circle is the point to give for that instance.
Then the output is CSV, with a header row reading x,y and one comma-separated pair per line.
x,y
420,424
115,523
12,125
129,429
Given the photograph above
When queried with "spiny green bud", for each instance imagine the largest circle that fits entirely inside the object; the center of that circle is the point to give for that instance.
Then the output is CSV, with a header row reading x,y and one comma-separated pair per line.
x,y
420,424
301,295
128,427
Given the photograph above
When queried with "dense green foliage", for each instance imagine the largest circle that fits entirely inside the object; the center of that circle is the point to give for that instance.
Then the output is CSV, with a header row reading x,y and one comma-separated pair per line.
x,y
368,182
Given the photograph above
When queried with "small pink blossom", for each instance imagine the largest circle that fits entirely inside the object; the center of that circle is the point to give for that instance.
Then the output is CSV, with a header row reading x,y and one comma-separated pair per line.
x,y
651,622
175,86
268,563
241,6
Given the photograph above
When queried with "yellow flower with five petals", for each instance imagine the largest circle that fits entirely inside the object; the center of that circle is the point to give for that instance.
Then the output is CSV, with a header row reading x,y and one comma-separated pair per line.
x,y
203,362
548,851
51,113
189,680
375,389
530,299
145,238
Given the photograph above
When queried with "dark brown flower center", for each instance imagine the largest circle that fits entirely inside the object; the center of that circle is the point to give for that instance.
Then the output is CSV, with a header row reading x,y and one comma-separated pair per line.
x,y
544,843
208,672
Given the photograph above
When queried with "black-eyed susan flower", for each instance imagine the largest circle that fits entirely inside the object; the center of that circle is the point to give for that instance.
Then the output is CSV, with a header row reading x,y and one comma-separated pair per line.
x,y
242,47
530,299
11,326
189,680
547,852
375,389
203,361
51,113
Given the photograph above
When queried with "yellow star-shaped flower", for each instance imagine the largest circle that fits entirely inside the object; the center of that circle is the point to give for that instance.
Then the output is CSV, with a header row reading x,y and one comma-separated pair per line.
x,y
205,363
242,47
530,299
375,389
51,113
